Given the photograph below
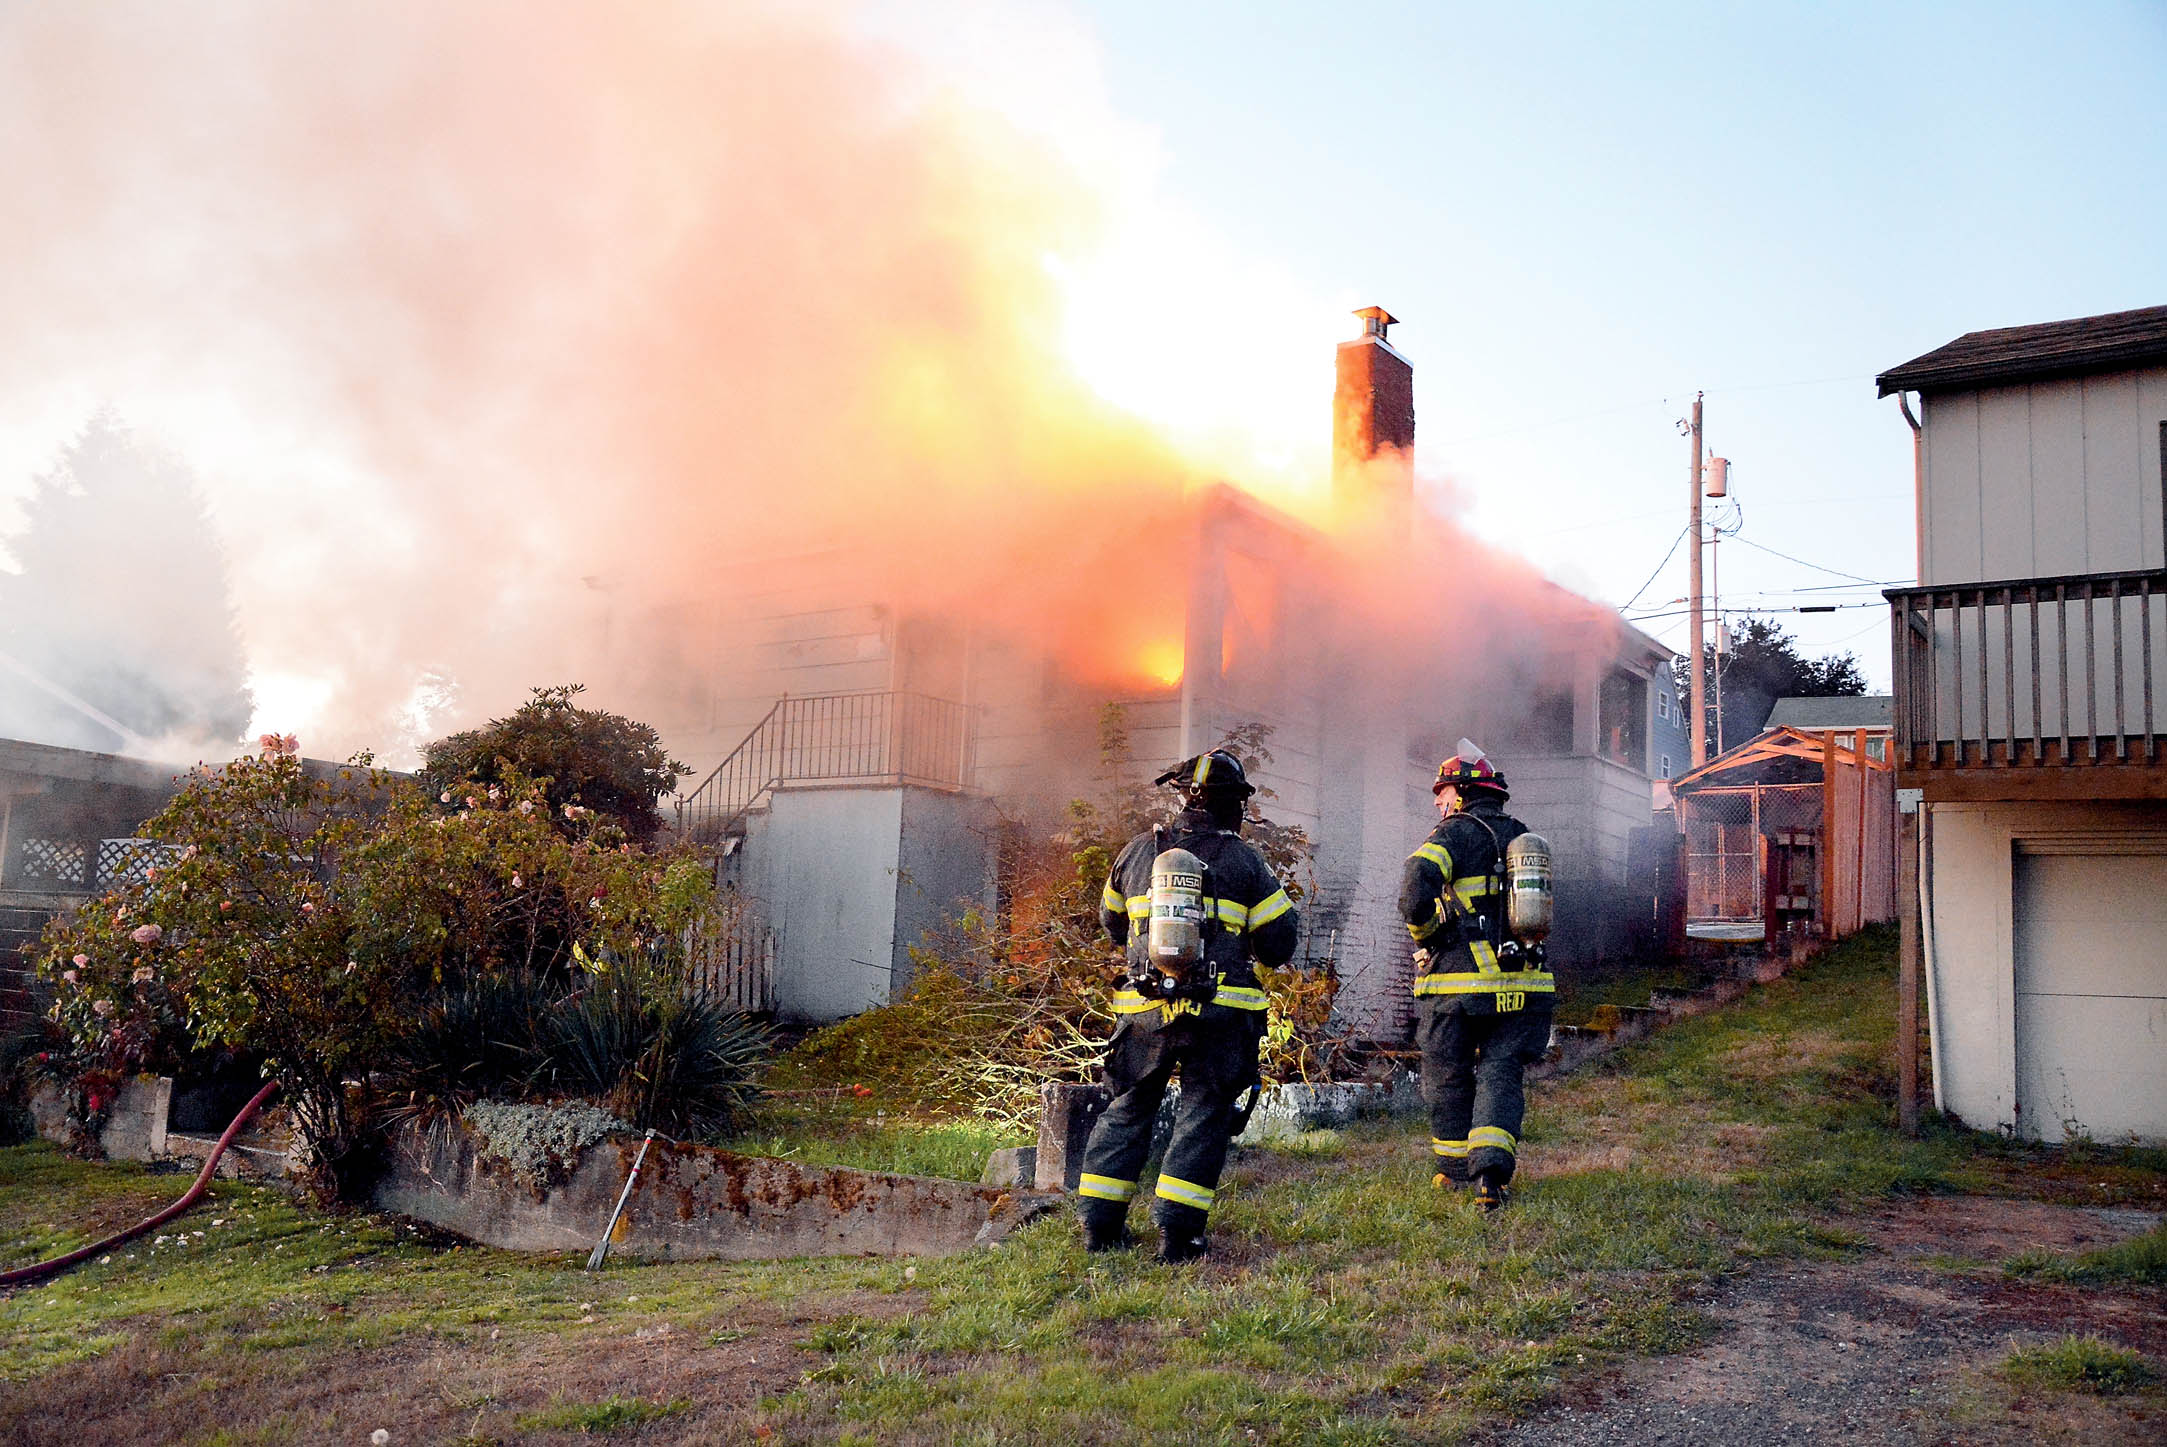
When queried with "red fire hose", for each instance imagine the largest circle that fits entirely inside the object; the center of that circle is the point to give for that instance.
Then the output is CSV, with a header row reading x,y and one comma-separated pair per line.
x,y
23,1275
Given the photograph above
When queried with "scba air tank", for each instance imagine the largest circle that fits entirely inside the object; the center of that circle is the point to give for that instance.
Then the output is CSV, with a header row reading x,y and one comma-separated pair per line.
x,y
1176,941
1527,888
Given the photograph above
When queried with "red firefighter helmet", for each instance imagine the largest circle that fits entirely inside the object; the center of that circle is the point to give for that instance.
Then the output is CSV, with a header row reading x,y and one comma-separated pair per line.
x,y
1469,769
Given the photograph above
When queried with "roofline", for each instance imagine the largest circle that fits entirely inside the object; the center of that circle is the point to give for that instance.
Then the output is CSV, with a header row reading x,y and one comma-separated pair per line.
x,y
2070,355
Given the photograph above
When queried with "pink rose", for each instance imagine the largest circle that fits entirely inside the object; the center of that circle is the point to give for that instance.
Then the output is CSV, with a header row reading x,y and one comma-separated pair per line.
x,y
70,976
102,1008
518,883
225,904
81,960
308,906
444,798
148,934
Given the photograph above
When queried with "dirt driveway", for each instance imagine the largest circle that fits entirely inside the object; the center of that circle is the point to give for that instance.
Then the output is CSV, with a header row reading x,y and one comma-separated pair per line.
x,y
1896,1345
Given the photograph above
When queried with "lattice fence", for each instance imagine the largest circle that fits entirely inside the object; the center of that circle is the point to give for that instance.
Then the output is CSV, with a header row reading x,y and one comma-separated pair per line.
x,y
52,861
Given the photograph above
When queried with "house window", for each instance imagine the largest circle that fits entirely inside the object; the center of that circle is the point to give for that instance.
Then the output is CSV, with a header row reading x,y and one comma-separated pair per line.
x,y
1622,725
1662,706
1666,766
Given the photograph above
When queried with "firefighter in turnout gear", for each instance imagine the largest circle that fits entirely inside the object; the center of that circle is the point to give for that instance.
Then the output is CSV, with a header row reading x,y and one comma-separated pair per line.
x,y
1483,993
1194,908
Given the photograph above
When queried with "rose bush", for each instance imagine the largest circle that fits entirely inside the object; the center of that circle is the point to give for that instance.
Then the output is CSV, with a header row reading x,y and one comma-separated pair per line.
x,y
310,917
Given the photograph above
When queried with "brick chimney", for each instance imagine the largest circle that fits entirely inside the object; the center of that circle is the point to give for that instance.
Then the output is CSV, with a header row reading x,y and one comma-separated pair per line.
x,y
1373,418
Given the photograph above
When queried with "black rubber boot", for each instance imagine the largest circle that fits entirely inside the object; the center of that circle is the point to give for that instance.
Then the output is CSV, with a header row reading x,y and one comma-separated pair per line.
x,y
1105,1225
1181,1234
1490,1193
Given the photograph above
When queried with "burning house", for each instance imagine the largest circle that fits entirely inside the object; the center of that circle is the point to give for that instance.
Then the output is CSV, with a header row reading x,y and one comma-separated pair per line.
x,y
859,757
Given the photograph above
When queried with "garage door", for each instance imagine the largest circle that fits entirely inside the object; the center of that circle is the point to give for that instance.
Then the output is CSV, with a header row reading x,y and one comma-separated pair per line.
x,y
2091,989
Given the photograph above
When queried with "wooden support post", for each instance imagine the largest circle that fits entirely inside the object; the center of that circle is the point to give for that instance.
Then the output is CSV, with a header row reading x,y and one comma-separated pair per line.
x,y
1907,966
1858,878
1828,834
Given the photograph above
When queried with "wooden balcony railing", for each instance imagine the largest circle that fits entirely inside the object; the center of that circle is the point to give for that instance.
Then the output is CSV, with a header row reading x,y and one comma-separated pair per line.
x,y
2032,673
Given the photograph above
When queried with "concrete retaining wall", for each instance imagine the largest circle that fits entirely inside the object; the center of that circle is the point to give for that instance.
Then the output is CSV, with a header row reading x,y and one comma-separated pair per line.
x,y
693,1201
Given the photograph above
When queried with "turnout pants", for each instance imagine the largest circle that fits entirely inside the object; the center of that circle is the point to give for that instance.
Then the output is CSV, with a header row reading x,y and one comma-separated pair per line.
x,y
1472,1059
1216,1052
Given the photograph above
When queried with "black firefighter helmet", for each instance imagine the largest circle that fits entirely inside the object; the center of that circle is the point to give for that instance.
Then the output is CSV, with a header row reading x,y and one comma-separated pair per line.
x,y
1216,774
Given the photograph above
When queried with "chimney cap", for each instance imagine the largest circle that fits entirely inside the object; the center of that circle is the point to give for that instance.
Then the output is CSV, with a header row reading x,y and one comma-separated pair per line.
x,y
1375,319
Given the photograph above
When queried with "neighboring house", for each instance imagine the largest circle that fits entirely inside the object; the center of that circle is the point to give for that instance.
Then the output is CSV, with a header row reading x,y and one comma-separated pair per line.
x,y
2029,664
878,757
1789,832
1841,713
68,821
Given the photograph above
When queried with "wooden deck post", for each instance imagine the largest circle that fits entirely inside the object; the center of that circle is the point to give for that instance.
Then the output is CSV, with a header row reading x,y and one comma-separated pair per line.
x,y
1907,966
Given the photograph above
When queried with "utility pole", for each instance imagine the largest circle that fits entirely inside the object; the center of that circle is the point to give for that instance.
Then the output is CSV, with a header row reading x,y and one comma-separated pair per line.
x,y
1699,703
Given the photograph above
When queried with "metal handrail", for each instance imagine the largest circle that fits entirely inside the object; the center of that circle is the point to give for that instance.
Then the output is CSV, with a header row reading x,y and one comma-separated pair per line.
x,y
1980,684
866,736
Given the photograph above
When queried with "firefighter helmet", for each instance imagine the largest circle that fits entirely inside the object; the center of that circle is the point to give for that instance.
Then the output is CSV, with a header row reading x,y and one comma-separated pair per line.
x,y
1469,769
1209,773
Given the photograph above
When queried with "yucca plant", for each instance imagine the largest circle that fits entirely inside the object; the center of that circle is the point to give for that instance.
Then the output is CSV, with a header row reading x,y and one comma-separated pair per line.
x,y
479,1039
655,1055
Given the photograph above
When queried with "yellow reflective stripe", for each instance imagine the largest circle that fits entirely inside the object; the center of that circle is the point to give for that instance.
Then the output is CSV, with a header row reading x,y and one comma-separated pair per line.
x,y
1467,983
1242,997
1423,931
1105,1188
1435,854
1232,915
1489,1137
1203,767
1139,906
1128,1002
1467,891
1188,1193
1485,955
1112,900
1451,1149
1274,905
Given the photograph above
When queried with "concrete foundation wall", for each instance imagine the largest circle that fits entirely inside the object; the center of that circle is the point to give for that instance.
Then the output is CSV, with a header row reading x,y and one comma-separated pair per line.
x,y
824,862
692,1201
1972,994
947,862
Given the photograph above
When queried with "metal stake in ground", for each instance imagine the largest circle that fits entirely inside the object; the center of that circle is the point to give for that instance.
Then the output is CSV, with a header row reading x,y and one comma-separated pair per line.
x,y
596,1257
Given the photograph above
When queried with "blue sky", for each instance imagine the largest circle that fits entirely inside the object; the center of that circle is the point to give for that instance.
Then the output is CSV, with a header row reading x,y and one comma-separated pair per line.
x,y
1584,213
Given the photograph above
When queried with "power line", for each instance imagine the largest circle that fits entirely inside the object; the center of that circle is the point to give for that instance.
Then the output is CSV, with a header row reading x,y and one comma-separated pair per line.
x,y
1832,572
1659,567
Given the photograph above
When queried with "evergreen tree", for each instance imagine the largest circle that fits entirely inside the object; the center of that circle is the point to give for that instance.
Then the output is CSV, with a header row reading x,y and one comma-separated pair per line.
x,y
1762,665
120,599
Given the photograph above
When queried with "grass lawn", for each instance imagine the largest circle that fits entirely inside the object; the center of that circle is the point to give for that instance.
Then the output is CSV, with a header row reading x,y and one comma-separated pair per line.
x,y
1346,1302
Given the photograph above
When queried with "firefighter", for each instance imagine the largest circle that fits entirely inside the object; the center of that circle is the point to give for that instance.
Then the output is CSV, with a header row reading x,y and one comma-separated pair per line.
x,y
1204,1018
1481,1018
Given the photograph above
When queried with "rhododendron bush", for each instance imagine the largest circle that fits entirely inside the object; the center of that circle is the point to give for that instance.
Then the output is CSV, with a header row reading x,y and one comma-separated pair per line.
x,y
307,916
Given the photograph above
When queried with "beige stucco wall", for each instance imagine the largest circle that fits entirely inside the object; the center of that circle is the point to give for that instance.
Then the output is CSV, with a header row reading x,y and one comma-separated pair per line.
x,y
1972,981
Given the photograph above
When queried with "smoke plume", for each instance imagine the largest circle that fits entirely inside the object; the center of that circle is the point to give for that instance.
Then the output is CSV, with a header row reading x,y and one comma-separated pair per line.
x,y
537,320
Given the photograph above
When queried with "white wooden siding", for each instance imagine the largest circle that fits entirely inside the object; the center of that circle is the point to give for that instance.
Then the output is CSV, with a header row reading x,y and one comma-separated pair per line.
x,y
2045,478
